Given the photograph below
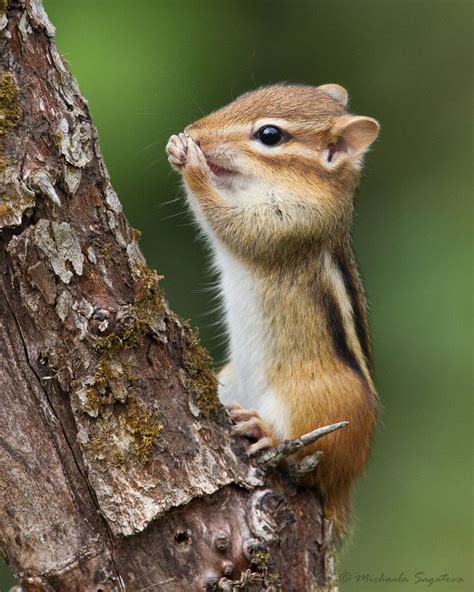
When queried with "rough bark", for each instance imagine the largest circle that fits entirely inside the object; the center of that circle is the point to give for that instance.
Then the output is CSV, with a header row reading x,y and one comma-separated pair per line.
x,y
117,471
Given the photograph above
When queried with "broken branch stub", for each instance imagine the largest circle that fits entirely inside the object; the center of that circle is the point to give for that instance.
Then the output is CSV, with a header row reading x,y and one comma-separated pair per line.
x,y
273,457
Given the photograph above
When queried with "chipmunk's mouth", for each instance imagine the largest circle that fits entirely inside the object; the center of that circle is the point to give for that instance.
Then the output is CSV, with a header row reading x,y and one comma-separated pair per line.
x,y
217,169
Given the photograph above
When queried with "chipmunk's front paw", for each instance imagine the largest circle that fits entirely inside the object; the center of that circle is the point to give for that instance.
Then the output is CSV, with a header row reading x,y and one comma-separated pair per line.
x,y
177,150
196,171
185,155
183,152
249,424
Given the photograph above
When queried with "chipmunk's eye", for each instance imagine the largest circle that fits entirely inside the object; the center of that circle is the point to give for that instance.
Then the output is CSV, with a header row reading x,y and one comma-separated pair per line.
x,y
269,135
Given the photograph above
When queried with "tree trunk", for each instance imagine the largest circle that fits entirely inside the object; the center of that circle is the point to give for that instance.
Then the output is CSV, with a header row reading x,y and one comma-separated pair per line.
x,y
117,468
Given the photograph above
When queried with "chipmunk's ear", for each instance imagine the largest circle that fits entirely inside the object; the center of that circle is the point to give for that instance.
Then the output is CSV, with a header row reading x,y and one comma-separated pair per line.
x,y
354,134
336,92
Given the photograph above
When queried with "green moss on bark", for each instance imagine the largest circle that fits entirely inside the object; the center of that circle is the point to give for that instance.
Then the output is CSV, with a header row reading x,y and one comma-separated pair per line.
x,y
9,117
112,381
136,234
197,362
9,103
261,559
125,437
3,163
145,313
114,377
6,210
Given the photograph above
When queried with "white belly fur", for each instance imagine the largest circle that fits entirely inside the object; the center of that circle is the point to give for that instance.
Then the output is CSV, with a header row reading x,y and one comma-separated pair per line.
x,y
245,380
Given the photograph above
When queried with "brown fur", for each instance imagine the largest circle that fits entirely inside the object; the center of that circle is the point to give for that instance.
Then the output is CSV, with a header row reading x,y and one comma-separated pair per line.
x,y
298,103
300,250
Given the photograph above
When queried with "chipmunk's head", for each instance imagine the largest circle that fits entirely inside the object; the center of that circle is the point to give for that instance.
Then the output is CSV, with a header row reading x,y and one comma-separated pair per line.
x,y
286,140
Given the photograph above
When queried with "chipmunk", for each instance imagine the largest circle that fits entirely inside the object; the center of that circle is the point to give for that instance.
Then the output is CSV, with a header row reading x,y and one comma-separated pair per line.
x,y
270,178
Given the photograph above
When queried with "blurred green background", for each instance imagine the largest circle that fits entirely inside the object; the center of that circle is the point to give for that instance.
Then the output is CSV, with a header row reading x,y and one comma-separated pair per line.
x,y
148,68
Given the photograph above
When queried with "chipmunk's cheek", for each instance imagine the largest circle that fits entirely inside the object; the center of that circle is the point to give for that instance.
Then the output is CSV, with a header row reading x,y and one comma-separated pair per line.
x,y
219,170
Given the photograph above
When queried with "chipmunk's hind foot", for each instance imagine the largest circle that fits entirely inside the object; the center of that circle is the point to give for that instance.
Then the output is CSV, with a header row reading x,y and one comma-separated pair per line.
x,y
249,424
